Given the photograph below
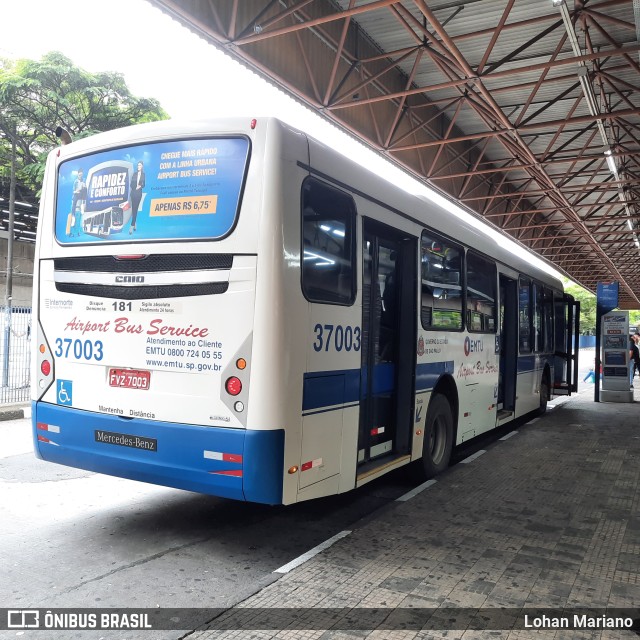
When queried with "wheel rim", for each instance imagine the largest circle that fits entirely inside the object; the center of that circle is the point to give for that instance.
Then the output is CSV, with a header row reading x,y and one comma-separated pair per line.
x,y
438,439
544,394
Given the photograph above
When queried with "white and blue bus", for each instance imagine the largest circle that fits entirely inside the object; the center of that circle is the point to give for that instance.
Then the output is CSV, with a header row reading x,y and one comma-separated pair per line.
x,y
238,310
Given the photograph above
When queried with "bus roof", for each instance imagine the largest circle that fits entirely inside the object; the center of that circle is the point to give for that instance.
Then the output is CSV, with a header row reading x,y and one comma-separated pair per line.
x,y
334,165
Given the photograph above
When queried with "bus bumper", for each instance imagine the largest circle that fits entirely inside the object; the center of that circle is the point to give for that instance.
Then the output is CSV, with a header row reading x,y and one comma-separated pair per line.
x,y
231,463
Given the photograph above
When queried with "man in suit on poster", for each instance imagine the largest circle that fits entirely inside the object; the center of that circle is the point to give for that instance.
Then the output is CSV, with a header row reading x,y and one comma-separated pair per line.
x,y
137,185
79,200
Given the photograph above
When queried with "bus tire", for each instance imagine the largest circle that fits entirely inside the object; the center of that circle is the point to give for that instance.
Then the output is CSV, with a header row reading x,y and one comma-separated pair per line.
x,y
438,437
544,394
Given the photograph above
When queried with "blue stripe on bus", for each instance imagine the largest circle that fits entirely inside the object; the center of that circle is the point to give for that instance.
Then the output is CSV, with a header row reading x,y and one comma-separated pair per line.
x,y
324,389
531,363
329,388
427,374
179,460
332,390
384,378
526,363
263,466
328,409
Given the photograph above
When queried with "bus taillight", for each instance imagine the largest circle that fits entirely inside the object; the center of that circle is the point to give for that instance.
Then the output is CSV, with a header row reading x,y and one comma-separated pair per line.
x,y
233,386
45,367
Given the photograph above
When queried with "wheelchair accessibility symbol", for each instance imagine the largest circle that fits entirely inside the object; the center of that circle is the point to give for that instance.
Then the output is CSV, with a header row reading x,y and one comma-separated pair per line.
x,y
64,391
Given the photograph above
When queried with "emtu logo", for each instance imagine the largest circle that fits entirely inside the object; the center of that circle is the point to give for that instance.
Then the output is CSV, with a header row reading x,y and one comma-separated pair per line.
x,y
472,346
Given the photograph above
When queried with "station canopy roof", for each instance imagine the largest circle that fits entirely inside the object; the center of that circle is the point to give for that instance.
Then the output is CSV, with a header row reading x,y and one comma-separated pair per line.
x,y
526,112
25,212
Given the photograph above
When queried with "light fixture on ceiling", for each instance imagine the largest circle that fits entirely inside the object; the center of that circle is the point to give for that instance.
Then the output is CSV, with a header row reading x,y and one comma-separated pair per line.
x,y
592,105
583,71
611,162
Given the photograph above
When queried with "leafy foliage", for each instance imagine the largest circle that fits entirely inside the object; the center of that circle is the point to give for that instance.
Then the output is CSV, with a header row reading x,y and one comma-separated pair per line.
x,y
634,320
588,304
38,96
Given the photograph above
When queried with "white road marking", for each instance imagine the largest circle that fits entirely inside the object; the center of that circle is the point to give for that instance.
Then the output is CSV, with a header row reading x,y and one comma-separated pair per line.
x,y
312,552
416,491
477,454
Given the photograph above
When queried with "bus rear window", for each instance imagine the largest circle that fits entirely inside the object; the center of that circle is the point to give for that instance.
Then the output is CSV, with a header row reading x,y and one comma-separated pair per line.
x,y
328,224
179,190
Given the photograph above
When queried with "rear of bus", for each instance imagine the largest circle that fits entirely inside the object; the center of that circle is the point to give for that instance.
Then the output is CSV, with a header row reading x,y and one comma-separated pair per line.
x,y
145,290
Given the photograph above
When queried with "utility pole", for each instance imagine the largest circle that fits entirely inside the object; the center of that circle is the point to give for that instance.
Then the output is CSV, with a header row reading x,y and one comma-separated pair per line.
x,y
9,284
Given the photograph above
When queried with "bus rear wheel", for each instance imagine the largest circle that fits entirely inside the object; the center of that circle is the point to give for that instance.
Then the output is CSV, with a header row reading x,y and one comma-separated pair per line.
x,y
438,437
544,395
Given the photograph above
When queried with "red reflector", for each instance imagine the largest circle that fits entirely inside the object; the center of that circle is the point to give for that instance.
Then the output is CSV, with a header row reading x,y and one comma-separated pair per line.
x,y
45,367
232,457
137,256
42,426
306,466
231,472
42,438
233,386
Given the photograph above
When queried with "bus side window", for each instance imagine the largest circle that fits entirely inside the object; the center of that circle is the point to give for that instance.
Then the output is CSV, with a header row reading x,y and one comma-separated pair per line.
x,y
481,294
524,315
328,241
441,269
548,320
538,326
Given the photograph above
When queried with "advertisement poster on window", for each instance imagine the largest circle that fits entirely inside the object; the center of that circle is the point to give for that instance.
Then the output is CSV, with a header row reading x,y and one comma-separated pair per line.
x,y
179,190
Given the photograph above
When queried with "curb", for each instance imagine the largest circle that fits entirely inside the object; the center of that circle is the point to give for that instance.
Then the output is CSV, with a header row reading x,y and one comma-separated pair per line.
x,y
11,412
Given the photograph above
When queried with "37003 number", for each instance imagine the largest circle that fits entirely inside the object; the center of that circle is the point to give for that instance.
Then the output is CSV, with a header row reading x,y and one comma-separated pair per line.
x,y
335,336
79,349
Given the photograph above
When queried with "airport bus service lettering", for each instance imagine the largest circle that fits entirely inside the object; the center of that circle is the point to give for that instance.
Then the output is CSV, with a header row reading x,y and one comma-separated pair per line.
x,y
124,325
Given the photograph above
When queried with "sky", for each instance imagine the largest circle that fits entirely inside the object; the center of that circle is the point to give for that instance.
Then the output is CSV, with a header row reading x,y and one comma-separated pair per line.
x,y
191,79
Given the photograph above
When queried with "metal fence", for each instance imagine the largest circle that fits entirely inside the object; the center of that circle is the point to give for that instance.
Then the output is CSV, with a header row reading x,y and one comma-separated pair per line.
x,y
15,354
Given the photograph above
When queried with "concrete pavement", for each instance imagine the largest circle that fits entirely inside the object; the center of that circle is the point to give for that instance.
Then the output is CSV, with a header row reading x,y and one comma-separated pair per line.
x,y
548,517
15,430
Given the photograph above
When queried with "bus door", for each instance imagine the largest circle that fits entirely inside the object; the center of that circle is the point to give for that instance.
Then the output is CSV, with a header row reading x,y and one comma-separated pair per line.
x,y
567,332
388,333
508,346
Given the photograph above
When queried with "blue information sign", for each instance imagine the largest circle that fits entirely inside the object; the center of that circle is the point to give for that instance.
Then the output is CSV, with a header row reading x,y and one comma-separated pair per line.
x,y
607,296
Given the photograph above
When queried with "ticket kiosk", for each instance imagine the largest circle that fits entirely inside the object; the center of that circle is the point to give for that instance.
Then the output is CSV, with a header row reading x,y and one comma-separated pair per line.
x,y
615,358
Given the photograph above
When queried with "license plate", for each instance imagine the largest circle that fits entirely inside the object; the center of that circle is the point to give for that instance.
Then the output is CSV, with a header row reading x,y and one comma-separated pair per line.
x,y
129,378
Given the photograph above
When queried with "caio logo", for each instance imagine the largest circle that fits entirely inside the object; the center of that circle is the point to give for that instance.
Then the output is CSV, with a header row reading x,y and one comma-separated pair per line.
x,y
130,279
472,346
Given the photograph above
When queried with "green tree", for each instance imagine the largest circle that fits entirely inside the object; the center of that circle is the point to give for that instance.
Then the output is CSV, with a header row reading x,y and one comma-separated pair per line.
x,y
587,306
38,96
634,320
